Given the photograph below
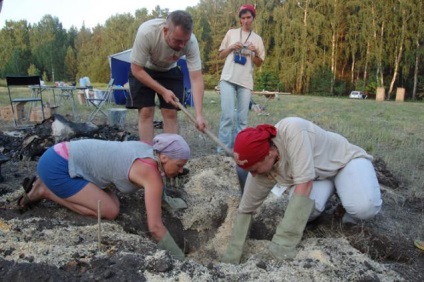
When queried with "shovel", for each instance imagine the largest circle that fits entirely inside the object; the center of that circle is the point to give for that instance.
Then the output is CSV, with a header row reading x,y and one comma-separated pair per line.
x,y
241,173
206,131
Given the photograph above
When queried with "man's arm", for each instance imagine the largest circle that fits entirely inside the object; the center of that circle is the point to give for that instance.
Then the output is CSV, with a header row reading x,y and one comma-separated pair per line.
x,y
303,189
256,189
147,80
198,89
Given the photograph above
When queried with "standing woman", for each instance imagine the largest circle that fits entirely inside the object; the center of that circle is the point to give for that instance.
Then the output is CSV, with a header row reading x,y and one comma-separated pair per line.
x,y
76,175
243,49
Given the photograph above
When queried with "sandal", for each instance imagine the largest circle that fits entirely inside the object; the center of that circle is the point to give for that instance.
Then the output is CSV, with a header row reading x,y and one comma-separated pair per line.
x,y
24,201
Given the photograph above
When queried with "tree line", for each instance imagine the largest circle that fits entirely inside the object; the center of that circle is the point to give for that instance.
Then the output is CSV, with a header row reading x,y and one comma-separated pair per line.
x,y
321,47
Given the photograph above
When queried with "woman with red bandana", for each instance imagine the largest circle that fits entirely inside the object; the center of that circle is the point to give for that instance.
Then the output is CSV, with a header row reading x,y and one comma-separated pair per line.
x,y
242,49
316,163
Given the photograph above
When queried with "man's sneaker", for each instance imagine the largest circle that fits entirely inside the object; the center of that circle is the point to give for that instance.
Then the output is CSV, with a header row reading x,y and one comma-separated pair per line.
x,y
158,124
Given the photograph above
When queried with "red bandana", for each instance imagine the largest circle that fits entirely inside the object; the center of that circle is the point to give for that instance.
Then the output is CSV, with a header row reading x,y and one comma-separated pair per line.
x,y
248,7
252,144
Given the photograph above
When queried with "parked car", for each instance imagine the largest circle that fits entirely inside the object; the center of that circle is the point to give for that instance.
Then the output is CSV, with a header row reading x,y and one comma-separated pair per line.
x,y
357,95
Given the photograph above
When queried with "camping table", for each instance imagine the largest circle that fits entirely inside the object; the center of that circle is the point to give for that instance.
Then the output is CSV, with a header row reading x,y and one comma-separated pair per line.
x,y
270,94
66,94
38,90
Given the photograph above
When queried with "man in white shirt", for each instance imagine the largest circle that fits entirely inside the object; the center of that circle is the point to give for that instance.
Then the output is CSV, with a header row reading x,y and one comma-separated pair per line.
x,y
158,45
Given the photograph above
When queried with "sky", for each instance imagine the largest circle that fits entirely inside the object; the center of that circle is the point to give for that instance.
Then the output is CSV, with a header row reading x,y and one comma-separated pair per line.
x,y
77,12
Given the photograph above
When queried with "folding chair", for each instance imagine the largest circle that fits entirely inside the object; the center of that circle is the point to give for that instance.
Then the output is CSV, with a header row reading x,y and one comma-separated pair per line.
x,y
188,99
98,102
15,85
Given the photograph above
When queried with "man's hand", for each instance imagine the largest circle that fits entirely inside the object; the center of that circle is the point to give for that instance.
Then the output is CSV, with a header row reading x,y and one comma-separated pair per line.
x,y
170,97
200,123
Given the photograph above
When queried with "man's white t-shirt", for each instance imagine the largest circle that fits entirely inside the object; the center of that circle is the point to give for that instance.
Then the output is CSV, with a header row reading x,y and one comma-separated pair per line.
x,y
150,49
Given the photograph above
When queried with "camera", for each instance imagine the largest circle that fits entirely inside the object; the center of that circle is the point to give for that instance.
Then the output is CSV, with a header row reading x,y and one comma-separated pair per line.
x,y
240,55
239,59
245,50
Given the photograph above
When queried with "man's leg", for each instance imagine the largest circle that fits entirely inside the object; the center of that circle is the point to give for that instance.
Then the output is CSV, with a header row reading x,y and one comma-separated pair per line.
x,y
170,120
322,190
172,80
145,124
358,189
142,98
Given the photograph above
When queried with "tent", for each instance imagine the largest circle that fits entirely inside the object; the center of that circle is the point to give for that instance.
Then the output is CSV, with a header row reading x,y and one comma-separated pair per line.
x,y
120,67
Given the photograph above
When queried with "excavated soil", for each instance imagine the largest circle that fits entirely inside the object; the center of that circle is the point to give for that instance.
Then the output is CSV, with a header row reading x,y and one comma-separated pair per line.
x,y
51,243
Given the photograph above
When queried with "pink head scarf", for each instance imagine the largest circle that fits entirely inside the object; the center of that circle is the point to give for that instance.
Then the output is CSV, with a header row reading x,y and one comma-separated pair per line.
x,y
172,145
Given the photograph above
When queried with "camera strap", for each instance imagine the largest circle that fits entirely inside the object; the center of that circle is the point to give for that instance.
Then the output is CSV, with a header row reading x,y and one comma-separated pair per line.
x,y
241,30
239,57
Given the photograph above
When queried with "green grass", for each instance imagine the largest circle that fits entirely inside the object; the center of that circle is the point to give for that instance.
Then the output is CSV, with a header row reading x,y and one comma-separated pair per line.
x,y
388,130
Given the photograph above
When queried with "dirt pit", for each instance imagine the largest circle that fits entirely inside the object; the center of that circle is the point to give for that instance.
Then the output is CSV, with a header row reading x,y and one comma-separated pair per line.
x,y
49,242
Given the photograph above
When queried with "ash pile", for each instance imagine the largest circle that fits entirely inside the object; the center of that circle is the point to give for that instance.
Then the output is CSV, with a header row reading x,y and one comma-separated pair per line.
x,y
31,143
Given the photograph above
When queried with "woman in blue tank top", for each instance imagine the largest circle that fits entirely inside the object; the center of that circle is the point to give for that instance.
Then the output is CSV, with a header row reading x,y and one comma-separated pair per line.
x,y
76,175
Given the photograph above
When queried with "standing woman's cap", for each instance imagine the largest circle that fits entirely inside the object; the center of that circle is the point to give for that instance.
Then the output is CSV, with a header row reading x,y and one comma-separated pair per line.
x,y
172,145
252,144
249,8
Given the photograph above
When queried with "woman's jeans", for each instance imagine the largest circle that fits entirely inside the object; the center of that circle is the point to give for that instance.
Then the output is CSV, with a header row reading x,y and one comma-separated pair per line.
x,y
235,101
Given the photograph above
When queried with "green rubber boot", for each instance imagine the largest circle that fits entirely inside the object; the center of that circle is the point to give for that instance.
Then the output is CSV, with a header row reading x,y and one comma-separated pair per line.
x,y
238,238
290,230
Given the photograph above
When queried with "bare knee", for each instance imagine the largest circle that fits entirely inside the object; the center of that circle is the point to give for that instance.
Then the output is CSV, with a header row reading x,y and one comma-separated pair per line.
x,y
110,212
146,113
169,114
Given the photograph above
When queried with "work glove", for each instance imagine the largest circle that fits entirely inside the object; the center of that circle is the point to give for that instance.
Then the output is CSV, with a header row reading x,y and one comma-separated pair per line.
x,y
172,204
167,243
290,230
238,238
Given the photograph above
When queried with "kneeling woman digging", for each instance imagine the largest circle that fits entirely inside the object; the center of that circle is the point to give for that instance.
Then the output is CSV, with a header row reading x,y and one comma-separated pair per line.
x,y
76,175
316,163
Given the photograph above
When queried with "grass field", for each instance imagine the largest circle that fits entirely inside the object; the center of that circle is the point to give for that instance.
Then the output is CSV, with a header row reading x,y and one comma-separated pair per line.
x,y
388,130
